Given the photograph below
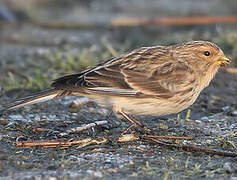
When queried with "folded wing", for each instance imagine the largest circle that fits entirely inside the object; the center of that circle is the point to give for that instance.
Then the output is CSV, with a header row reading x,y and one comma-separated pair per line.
x,y
144,72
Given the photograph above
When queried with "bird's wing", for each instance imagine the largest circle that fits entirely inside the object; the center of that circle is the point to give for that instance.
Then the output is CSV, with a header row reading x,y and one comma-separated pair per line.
x,y
161,79
146,71
104,75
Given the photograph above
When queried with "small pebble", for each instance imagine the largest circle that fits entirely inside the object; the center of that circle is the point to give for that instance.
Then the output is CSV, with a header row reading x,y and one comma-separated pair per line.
x,y
4,122
52,116
217,127
205,119
234,113
52,178
95,173
226,108
198,121
17,117
208,142
207,132
73,109
80,102
37,118
227,167
164,127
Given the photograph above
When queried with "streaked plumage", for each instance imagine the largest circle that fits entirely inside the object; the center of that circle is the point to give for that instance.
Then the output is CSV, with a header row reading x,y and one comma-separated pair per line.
x,y
157,80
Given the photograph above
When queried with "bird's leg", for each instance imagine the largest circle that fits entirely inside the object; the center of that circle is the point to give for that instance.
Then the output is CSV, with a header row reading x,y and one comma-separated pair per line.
x,y
128,129
109,115
114,124
133,121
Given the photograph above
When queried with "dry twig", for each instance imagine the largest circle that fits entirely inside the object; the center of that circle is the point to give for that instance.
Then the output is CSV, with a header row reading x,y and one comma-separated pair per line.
x,y
190,148
123,139
170,137
59,143
76,142
83,128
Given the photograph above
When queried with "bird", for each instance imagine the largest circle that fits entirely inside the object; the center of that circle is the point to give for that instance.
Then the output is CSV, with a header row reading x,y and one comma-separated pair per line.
x,y
154,81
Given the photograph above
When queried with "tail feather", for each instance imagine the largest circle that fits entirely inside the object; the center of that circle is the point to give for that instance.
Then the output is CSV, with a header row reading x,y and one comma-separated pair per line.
x,y
32,99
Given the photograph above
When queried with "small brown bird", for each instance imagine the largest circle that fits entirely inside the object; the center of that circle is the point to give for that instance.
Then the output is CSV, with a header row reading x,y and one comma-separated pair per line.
x,y
157,80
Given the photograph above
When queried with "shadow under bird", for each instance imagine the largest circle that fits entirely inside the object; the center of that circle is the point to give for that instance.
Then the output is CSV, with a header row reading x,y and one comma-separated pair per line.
x,y
158,80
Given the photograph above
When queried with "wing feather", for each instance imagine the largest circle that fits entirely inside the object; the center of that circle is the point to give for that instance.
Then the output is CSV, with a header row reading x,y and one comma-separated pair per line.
x,y
146,71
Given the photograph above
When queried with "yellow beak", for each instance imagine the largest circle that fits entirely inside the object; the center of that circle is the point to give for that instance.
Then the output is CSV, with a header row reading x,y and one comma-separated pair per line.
x,y
224,61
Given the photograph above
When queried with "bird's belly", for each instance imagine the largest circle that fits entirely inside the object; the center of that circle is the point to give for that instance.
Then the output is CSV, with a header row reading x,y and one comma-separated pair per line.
x,y
147,106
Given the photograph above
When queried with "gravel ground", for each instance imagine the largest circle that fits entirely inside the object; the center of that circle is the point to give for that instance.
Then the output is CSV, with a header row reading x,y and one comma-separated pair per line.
x,y
31,56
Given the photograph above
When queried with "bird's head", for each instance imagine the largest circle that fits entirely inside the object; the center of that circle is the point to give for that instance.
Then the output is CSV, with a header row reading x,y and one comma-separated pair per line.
x,y
203,57
201,53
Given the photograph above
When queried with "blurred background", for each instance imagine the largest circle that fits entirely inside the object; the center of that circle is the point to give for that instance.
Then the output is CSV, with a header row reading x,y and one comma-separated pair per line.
x,y
43,39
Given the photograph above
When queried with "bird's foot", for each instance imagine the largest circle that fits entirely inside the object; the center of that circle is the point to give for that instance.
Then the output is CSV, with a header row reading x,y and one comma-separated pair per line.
x,y
140,127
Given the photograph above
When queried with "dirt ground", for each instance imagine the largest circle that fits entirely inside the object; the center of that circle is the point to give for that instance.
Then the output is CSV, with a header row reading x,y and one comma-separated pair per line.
x,y
32,54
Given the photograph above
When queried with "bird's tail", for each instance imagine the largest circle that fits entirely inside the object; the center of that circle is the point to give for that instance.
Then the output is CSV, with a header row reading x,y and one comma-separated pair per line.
x,y
32,99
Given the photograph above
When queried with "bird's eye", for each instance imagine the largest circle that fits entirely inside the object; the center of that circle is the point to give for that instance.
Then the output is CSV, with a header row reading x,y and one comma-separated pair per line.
x,y
207,53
